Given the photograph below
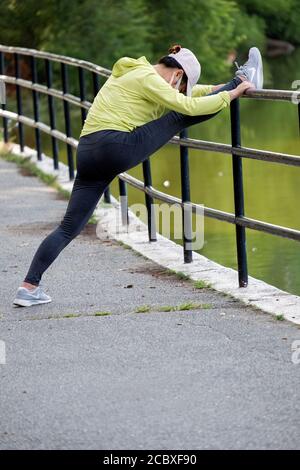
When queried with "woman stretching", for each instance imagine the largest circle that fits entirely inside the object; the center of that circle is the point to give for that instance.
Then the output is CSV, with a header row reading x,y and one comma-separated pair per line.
x,y
125,125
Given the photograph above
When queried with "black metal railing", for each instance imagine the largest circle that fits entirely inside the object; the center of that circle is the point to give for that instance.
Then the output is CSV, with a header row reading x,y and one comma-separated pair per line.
x,y
236,150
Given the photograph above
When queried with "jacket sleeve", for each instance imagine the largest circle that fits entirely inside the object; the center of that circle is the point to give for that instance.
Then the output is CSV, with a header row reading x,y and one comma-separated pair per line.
x,y
201,90
154,88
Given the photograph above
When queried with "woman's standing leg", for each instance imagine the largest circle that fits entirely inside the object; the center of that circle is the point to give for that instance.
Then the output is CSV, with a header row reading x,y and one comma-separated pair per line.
x,y
83,200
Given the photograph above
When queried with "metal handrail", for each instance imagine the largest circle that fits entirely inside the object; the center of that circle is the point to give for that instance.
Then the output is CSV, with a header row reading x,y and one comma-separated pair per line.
x,y
155,193
57,58
282,95
245,152
215,213
41,126
237,151
46,90
268,94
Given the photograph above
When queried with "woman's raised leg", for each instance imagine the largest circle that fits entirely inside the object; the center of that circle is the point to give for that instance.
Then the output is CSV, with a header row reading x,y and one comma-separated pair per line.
x,y
152,136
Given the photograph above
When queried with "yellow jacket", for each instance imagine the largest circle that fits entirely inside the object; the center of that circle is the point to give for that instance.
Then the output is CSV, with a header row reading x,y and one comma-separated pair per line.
x,y
135,94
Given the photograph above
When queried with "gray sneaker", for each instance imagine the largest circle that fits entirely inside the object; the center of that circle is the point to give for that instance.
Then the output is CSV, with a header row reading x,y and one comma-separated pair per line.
x,y
253,68
27,298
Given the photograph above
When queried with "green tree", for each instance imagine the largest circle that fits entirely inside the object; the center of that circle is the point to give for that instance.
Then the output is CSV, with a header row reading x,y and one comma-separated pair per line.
x,y
23,23
281,17
98,30
104,30
207,28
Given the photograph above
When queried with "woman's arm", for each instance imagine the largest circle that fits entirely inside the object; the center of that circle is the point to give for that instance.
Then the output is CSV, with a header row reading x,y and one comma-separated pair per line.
x,y
203,90
156,89
216,87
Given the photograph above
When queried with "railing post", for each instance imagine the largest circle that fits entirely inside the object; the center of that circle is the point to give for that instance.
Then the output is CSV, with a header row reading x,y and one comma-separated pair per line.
x,y
185,197
124,202
106,195
35,97
149,202
96,87
3,105
238,193
52,114
82,92
64,75
19,101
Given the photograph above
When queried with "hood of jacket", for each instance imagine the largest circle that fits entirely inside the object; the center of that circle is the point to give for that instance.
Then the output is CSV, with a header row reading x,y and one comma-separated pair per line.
x,y
126,64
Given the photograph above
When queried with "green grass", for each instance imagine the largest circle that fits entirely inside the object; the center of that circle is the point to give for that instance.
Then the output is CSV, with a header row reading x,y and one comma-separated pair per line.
x,y
71,315
193,306
143,309
166,308
124,245
31,168
93,220
207,306
173,308
279,317
201,284
178,274
63,192
28,165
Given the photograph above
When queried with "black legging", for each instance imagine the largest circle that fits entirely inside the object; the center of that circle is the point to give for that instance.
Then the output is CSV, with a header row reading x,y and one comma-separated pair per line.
x,y
100,157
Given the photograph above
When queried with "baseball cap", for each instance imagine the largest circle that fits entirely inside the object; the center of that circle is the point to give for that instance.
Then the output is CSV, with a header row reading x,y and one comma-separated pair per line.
x,y
190,65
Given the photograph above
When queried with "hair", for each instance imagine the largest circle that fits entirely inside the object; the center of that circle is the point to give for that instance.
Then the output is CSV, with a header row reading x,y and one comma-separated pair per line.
x,y
171,62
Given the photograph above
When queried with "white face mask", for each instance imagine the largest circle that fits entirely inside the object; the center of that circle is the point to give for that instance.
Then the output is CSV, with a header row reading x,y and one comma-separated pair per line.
x,y
177,83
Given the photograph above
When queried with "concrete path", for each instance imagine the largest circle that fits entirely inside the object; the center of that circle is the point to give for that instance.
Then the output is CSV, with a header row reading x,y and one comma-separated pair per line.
x,y
219,377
